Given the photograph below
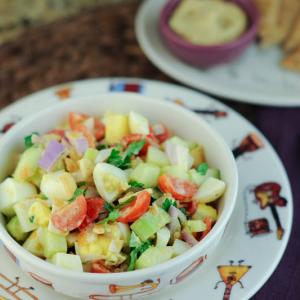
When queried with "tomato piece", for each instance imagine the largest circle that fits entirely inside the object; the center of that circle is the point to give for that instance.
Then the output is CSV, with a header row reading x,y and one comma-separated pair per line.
x,y
136,137
209,222
160,132
99,130
71,216
136,208
99,267
75,121
191,207
59,132
182,190
94,207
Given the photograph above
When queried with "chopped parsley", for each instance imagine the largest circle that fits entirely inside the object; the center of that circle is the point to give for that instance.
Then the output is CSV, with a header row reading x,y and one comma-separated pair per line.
x,y
136,184
78,192
202,169
123,162
113,216
31,219
108,207
183,210
168,203
137,251
128,201
28,140
102,146
81,184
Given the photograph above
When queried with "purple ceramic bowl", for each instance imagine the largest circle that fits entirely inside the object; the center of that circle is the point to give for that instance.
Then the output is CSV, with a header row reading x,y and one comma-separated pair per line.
x,y
208,56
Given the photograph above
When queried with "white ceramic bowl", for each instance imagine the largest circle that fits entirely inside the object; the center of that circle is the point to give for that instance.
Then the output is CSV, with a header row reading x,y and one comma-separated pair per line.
x,y
142,282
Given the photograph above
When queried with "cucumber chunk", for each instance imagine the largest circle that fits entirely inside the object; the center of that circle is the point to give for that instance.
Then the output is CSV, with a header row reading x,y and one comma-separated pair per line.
x,y
146,173
28,163
179,247
116,127
197,152
157,157
22,211
195,225
154,256
204,211
196,177
33,244
210,190
175,171
151,222
15,230
162,237
138,123
13,191
52,243
67,261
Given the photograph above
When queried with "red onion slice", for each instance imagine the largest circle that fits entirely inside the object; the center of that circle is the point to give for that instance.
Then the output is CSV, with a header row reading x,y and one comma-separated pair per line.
x,y
81,145
188,237
51,154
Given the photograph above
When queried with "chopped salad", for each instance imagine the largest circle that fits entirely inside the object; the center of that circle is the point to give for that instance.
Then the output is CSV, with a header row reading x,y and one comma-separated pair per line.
x,y
110,194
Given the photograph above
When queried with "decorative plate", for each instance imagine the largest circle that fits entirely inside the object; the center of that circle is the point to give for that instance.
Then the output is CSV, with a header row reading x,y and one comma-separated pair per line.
x,y
261,222
239,80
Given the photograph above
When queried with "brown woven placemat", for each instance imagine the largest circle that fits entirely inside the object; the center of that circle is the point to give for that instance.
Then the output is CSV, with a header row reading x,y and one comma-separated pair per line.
x,y
96,43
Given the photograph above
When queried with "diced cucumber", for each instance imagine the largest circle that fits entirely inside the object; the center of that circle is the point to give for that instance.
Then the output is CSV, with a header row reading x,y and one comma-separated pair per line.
x,y
138,123
39,213
33,245
196,177
163,237
176,140
175,171
179,155
204,211
154,256
22,211
67,261
125,232
28,163
116,127
15,230
197,152
157,157
151,222
215,173
91,154
210,190
36,179
53,243
195,225
13,191
180,247
146,173
58,185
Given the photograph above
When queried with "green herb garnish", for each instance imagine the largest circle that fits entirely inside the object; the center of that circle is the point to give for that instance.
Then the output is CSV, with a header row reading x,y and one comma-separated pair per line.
x,y
113,216
168,203
43,197
202,168
137,252
102,146
28,140
136,184
78,192
108,207
128,201
81,184
31,219
123,162
183,210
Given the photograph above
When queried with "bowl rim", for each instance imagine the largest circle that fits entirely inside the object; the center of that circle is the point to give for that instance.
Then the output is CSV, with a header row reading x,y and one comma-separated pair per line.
x,y
220,225
170,35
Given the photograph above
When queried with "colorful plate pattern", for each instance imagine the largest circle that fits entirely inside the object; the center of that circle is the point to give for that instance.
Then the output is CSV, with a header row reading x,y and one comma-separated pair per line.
x,y
261,222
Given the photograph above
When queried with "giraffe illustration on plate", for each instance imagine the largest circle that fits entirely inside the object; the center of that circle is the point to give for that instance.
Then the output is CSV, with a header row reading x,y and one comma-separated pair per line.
x,y
231,275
